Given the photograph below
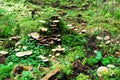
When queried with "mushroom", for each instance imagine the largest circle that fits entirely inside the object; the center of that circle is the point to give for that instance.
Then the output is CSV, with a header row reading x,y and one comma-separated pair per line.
x,y
99,38
55,21
69,25
83,31
106,37
28,52
44,59
16,38
53,25
20,54
102,71
35,35
107,42
41,57
59,49
42,21
18,44
3,52
111,66
57,54
43,29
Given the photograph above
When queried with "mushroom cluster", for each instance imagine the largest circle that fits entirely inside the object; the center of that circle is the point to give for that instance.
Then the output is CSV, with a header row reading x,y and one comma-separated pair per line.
x,y
78,29
58,50
54,31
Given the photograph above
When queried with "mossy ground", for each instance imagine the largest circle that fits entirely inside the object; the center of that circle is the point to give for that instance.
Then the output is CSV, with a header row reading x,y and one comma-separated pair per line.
x,y
97,18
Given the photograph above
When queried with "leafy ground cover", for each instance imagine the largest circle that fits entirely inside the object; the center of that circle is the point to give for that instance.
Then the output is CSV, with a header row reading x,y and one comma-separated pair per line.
x,y
59,40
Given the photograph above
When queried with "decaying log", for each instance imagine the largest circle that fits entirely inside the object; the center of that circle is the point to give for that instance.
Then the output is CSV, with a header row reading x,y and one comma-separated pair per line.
x,y
52,73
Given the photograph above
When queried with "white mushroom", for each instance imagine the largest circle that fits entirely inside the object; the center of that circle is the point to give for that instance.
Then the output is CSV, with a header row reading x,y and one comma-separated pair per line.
x,y
99,38
57,54
106,37
3,52
58,48
55,21
43,29
42,21
20,54
83,31
69,25
111,66
107,42
102,71
28,52
35,35
45,60
42,57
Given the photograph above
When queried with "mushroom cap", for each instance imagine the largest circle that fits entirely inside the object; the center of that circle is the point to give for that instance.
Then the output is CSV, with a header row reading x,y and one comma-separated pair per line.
x,y
35,35
42,21
106,37
58,48
69,25
99,38
57,54
3,52
43,29
45,60
83,31
17,44
102,70
42,57
53,50
55,21
20,54
111,66
28,52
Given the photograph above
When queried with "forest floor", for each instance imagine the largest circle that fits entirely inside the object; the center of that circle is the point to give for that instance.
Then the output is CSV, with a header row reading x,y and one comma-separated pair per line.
x,y
59,40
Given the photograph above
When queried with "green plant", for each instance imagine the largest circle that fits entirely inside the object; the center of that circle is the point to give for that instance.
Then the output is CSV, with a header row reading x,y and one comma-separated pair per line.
x,y
5,70
92,60
107,60
82,76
